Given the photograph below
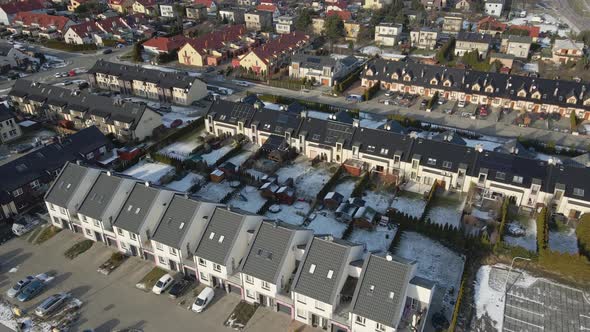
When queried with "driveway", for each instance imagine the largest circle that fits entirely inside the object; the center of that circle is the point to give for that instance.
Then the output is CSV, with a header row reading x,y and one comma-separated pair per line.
x,y
109,301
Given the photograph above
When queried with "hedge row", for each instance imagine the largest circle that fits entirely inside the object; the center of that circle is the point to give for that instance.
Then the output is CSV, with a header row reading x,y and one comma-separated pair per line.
x,y
503,219
429,199
542,230
370,92
347,82
583,235
328,186
63,46
360,185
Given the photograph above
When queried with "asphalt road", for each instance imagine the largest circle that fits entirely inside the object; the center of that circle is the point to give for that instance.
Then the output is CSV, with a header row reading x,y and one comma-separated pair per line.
x,y
576,20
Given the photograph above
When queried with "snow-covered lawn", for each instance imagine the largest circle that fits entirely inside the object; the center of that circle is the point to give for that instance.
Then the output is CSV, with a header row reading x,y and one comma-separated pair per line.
x,y
529,240
212,157
345,188
186,182
379,201
376,240
410,204
487,145
215,192
239,159
293,214
151,172
256,174
435,262
325,223
186,117
182,149
308,180
248,199
445,212
565,242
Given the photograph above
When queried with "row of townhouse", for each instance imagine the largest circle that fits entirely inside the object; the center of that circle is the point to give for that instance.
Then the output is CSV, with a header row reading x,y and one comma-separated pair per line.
x,y
9,10
319,280
169,87
494,174
495,89
24,180
40,25
95,31
79,110
9,128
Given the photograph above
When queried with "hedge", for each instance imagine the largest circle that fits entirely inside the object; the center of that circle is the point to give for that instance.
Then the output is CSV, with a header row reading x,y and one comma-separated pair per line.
x,y
458,303
328,186
583,235
360,185
542,230
63,46
429,201
290,84
347,82
575,266
432,100
370,92
503,220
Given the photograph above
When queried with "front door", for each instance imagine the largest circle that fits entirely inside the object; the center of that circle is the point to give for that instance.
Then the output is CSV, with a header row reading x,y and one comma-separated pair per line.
x,y
98,236
315,320
133,250
172,265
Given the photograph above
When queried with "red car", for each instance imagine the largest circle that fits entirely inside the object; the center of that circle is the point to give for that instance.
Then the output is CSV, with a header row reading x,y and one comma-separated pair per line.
x,y
175,123
483,111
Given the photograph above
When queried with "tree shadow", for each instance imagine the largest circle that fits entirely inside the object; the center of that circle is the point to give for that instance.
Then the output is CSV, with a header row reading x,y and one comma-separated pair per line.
x,y
80,291
108,326
60,278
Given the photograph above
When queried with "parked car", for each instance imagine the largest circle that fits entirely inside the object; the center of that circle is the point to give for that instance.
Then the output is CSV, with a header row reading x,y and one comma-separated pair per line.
x,y
175,123
388,93
31,290
483,111
163,284
19,286
461,103
107,51
51,303
441,101
516,230
448,111
203,299
23,225
424,102
242,83
179,288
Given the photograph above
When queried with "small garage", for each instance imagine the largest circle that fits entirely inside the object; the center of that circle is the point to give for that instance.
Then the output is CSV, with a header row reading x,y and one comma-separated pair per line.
x,y
284,308
234,289
188,273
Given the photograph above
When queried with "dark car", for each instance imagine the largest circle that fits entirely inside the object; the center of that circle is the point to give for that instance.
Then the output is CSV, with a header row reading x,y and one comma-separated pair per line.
x,y
176,123
107,51
179,288
31,290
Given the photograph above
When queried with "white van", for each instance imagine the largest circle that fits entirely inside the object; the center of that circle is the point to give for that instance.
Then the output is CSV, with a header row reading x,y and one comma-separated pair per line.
x,y
203,300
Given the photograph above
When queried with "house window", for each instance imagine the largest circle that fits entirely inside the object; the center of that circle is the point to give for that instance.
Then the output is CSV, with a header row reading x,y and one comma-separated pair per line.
x,y
97,223
162,260
579,192
517,179
250,294
320,305
301,298
447,164
217,267
203,276
265,285
202,262
62,210
159,246
301,313
88,232
17,192
500,175
415,163
172,251
431,161
249,279
380,327
312,268
52,207
360,320
120,231
35,184
132,236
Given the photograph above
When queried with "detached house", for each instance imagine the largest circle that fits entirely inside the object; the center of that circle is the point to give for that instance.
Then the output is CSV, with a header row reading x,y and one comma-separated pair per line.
x,y
494,7
178,233
566,50
258,20
146,7
9,128
164,45
84,33
387,34
266,58
223,247
469,41
268,269
323,69
322,289
424,38
518,46
211,5
452,24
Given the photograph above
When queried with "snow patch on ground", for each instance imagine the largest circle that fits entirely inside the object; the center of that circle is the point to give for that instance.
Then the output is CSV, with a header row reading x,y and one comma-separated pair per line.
x,y
528,241
248,199
325,223
564,242
412,205
147,171
239,159
371,50
182,149
293,214
442,215
380,202
308,180
545,22
215,192
345,188
186,118
186,182
213,156
489,296
377,240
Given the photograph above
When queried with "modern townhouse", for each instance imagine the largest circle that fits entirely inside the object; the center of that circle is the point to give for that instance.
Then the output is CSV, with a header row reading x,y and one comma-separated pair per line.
x,y
495,89
424,38
324,70
178,233
40,25
146,7
9,128
470,41
268,269
9,9
266,58
401,157
177,88
223,246
322,289
24,181
126,121
389,297
100,206
387,34
136,222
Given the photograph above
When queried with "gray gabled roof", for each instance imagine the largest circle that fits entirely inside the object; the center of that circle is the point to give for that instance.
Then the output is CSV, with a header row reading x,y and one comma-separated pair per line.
x,y
379,279
176,221
220,234
326,256
271,244
136,207
99,196
65,185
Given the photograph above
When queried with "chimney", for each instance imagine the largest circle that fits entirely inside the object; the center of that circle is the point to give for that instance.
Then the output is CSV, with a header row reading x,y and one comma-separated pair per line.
x,y
413,135
109,173
388,257
304,114
228,207
356,123
479,147
147,183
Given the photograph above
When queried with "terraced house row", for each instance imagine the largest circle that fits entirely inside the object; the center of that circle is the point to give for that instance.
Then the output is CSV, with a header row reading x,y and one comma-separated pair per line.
x,y
495,89
78,110
493,174
316,279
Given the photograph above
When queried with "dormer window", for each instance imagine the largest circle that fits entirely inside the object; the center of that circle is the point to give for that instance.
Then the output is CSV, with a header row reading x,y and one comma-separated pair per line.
x,y
431,161
384,151
433,81
522,93
312,269
578,192
517,179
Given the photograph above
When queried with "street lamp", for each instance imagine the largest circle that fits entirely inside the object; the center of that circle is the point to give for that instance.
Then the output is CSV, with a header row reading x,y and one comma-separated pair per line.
x,y
509,271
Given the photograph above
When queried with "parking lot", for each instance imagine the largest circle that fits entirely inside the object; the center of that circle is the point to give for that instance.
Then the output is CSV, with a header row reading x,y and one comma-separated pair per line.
x,y
113,302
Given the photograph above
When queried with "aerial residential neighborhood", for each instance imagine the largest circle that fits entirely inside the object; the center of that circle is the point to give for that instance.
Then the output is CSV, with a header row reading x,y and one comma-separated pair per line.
x,y
274,165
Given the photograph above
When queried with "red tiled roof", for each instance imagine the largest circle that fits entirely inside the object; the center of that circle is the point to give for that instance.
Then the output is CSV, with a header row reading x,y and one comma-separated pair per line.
x,y
217,39
280,45
342,4
533,31
43,20
85,29
112,24
266,8
206,3
490,23
166,44
22,6
345,15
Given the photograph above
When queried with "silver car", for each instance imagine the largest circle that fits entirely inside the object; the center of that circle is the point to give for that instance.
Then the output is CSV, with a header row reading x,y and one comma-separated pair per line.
x,y
51,303
18,287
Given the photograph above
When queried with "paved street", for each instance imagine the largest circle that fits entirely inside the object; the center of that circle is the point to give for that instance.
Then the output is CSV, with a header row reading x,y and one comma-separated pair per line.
x,y
113,301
